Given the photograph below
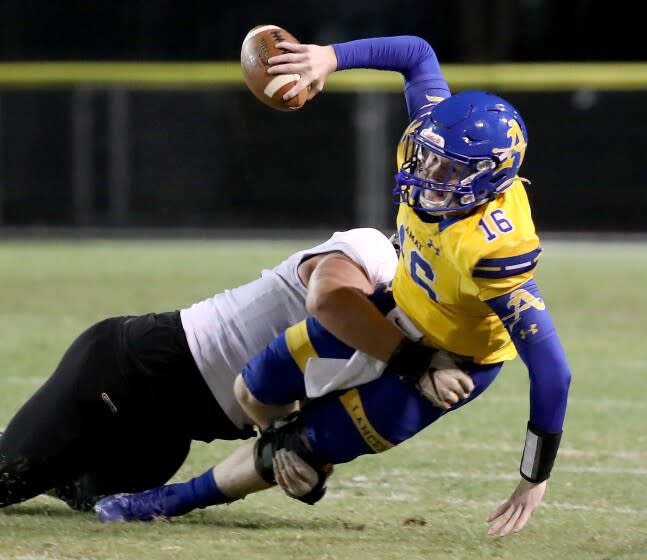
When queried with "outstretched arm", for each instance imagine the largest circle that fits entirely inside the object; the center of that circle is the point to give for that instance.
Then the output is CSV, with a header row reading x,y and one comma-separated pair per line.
x,y
533,332
531,327
412,56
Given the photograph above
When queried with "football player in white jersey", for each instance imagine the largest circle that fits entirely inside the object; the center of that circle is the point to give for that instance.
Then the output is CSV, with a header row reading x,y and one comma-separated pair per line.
x,y
130,394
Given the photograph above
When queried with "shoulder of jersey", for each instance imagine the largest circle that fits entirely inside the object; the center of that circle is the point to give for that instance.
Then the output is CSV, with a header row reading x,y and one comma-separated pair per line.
x,y
502,237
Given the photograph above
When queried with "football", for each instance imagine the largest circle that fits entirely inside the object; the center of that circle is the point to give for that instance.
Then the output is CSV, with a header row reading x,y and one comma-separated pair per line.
x,y
259,45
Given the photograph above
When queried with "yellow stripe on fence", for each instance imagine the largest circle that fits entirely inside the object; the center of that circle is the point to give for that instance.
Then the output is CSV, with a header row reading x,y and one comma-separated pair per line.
x,y
194,75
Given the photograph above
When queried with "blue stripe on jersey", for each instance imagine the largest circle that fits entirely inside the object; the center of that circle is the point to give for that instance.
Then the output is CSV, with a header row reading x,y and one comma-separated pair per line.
x,y
506,266
324,343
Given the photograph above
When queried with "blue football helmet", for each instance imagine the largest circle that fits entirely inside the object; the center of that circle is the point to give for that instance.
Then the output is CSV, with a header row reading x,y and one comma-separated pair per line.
x,y
464,152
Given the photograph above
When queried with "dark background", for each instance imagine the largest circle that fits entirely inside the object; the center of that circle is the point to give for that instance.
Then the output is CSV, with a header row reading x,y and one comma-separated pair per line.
x,y
460,30
220,159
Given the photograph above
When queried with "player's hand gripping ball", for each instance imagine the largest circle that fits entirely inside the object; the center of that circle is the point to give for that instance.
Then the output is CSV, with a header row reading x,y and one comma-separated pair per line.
x,y
258,46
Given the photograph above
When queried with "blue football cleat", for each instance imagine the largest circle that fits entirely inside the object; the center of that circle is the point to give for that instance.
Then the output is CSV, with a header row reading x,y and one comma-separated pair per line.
x,y
145,506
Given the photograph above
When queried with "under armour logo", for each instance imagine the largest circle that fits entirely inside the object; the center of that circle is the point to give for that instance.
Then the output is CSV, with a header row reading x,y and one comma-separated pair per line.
x,y
532,330
430,245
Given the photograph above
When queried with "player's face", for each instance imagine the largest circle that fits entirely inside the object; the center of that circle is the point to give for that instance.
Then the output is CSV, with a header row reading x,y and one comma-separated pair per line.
x,y
433,166
440,171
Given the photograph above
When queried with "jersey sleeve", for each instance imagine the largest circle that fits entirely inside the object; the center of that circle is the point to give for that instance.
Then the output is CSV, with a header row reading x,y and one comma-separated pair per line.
x,y
503,270
530,325
413,57
368,247
504,247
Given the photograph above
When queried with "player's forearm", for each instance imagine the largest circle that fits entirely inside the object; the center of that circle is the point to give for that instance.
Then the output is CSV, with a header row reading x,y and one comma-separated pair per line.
x,y
401,54
550,379
337,298
348,314
412,56
533,332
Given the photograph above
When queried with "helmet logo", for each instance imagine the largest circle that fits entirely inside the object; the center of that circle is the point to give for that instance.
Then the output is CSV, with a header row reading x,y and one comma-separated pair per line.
x,y
433,137
513,155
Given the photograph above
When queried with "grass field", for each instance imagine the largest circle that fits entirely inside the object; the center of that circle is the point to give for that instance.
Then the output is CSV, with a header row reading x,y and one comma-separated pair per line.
x,y
426,499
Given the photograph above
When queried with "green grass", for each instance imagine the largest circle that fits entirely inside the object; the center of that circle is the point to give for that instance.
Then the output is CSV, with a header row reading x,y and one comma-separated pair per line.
x,y
426,499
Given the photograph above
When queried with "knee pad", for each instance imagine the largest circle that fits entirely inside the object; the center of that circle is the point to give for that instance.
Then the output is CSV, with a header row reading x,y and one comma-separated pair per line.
x,y
288,434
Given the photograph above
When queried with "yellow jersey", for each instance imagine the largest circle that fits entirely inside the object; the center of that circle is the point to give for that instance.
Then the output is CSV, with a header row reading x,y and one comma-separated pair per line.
x,y
448,269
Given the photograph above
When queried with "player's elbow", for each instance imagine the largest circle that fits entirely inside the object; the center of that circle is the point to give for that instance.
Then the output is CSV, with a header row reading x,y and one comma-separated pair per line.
x,y
565,378
314,304
556,382
421,48
561,375
320,303
557,388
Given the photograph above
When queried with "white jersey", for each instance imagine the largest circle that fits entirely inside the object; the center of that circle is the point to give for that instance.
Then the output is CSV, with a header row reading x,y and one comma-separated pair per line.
x,y
225,331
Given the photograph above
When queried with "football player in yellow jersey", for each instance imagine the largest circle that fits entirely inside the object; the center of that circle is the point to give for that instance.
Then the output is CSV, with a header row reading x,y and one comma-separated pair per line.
x,y
464,286
464,224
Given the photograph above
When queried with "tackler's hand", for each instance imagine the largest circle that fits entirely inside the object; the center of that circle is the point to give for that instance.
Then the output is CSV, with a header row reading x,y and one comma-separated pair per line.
x,y
313,64
445,387
293,474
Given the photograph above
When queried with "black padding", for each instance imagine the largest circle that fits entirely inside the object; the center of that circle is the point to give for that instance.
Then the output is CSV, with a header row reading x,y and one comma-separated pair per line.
x,y
539,454
411,360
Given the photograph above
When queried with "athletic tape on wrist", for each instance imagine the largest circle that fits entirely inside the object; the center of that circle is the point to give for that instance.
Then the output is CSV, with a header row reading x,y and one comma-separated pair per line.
x,y
539,454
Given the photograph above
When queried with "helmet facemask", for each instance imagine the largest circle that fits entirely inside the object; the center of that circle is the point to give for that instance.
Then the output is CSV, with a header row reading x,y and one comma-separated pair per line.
x,y
437,181
464,152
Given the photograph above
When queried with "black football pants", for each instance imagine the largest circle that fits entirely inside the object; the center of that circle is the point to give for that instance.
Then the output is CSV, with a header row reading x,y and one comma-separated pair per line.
x,y
117,415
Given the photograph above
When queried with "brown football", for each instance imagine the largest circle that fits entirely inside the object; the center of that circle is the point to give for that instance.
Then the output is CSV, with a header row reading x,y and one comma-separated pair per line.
x,y
258,46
